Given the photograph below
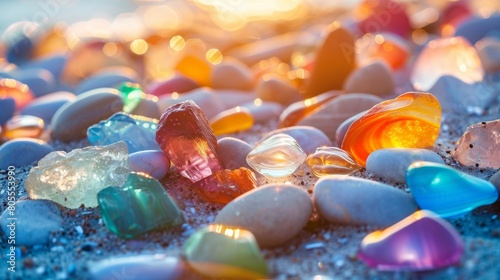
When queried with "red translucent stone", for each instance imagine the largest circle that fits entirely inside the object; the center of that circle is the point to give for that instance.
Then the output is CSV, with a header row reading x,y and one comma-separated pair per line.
x,y
226,185
185,136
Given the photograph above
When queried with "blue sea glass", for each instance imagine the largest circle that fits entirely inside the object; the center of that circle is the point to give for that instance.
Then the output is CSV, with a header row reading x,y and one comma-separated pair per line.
x,y
447,191
136,131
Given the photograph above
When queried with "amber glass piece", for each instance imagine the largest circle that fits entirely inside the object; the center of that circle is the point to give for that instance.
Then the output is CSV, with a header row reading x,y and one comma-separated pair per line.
x,y
232,120
298,110
412,120
16,90
23,126
226,185
389,48
196,68
330,161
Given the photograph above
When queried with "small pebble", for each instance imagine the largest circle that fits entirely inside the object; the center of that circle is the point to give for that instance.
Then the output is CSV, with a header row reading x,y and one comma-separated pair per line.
x,y
277,89
231,74
233,152
152,162
374,78
22,152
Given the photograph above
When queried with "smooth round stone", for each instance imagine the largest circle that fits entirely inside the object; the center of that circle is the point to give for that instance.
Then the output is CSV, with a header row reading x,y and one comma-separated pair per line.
x,y
231,98
107,78
46,106
8,106
392,163
19,49
309,138
210,103
233,152
488,50
355,201
263,111
344,126
231,74
151,162
374,78
35,220
283,210
477,28
495,180
147,107
328,117
23,126
277,89
40,81
71,121
479,145
21,93
178,83
22,152
151,267
53,63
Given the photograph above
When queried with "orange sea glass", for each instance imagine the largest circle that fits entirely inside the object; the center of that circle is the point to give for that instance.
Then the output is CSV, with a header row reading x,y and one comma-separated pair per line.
x,y
412,120
23,126
389,48
16,90
232,120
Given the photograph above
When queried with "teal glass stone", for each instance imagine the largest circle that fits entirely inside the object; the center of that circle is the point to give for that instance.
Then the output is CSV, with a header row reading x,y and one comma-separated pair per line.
x,y
138,132
139,206
447,191
225,252
132,95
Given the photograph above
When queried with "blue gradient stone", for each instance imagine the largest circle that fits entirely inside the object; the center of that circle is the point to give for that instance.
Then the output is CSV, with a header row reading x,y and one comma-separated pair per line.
x,y
136,131
7,108
446,191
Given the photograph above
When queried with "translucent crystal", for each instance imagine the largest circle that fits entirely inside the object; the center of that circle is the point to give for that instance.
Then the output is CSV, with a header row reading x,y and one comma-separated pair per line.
x,y
331,160
226,185
186,137
479,145
422,241
278,156
219,251
298,110
455,57
23,126
74,178
139,206
412,120
132,95
447,191
232,120
136,131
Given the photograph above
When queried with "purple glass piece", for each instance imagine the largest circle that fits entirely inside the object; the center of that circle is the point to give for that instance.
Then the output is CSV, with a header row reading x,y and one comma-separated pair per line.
x,y
186,137
422,241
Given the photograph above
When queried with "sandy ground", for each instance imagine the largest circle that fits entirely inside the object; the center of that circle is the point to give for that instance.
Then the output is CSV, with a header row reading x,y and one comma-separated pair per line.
x,y
320,249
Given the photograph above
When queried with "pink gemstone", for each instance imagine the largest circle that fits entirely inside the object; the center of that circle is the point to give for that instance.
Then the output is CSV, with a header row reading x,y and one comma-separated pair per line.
x,y
186,137
422,241
178,83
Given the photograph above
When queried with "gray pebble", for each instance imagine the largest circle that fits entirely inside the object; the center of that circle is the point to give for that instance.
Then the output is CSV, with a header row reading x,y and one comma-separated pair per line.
x,y
22,152
233,152
152,162
356,201
392,163
495,180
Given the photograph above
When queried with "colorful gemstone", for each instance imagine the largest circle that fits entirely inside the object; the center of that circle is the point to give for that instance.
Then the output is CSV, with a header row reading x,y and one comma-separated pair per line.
x,y
23,126
16,90
331,160
219,251
226,185
136,131
139,206
196,68
447,191
132,95
455,57
232,120
422,241
479,145
298,110
385,46
186,138
412,120
74,178
278,156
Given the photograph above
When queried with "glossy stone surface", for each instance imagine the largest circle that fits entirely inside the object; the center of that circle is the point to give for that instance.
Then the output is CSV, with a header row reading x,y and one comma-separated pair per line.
x,y
154,163
185,136
308,137
330,161
39,81
194,67
220,251
455,57
447,191
225,185
479,145
476,28
110,77
23,126
231,74
74,178
412,120
136,131
335,60
232,120
178,83
233,152
262,111
16,90
210,103
277,89
278,156
373,78
286,208
22,152
8,106
422,241
138,206
72,120
300,109
46,106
